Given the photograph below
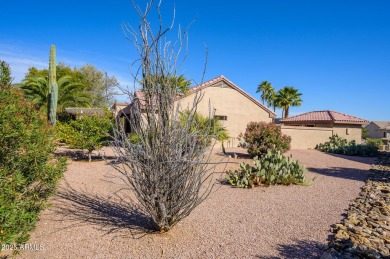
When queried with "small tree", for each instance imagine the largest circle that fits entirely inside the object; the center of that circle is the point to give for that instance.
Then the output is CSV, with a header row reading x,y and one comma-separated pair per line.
x,y
89,133
167,168
5,74
260,137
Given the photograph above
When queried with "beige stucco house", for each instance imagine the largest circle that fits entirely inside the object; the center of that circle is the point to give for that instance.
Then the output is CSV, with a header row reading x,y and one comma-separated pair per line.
x,y
117,106
312,128
379,129
231,105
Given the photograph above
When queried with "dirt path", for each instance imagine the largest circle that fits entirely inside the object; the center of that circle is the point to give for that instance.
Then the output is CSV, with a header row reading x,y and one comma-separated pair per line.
x,y
274,222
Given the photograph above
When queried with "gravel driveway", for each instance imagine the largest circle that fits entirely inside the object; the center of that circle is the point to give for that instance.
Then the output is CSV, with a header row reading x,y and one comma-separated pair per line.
x,y
273,222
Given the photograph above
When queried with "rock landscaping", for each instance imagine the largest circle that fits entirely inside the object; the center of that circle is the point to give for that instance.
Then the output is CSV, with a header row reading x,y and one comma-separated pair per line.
x,y
365,232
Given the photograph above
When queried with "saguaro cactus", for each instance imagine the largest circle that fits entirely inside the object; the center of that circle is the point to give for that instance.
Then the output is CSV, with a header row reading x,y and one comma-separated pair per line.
x,y
53,88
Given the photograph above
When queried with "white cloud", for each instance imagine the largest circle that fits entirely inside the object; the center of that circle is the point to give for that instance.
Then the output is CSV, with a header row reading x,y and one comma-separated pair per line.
x,y
21,58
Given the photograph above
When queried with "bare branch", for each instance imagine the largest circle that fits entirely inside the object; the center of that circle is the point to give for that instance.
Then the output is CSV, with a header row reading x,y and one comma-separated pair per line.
x,y
168,166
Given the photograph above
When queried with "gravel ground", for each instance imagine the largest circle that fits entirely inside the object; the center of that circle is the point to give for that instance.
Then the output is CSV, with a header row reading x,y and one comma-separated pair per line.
x,y
273,222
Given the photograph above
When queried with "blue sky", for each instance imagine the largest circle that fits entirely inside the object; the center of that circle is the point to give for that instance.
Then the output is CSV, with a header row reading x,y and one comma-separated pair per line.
x,y
337,53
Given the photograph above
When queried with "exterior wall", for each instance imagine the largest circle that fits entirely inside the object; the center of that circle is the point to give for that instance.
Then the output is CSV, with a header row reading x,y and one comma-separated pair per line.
x,y
349,131
228,102
309,137
117,108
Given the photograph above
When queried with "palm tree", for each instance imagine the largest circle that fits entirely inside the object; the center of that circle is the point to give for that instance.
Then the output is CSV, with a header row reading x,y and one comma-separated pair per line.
x,y
286,97
71,92
182,84
271,99
266,89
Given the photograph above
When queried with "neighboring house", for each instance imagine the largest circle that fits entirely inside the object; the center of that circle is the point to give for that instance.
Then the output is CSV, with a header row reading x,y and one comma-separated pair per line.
x,y
231,105
117,106
312,128
379,129
76,112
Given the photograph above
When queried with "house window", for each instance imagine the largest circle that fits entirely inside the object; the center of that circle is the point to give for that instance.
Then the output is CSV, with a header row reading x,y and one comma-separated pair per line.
x,y
347,131
309,125
221,117
385,134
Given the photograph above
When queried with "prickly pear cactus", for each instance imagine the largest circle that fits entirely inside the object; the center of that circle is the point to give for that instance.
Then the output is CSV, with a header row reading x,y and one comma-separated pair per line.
x,y
53,88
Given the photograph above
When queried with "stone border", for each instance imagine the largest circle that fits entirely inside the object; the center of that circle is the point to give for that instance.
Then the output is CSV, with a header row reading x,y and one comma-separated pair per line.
x,y
365,232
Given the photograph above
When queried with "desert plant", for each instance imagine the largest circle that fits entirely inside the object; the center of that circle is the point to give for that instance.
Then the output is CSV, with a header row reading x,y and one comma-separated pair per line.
x,y
267,92
86,132
5,73
260,137
53,87
269,169
341,145
168,168
375,142
202,124
29,172
286,97
335,143
365,133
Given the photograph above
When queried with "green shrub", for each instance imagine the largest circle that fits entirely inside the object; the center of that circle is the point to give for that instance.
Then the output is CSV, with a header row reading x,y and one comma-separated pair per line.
x,y
86,132
270,169
340,145
375,142
260,137
335,143
133,138
29,172
365,133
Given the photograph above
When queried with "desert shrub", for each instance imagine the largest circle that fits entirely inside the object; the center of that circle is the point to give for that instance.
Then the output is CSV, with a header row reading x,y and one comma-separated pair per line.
x,y
270,169
375,142
260,137
86,132
204,126
29,172
133,138
335,143
365,133
353,149
339,145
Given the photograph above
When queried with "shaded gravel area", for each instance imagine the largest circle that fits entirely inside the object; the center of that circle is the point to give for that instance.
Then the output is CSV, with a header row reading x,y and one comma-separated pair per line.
x,y
87,221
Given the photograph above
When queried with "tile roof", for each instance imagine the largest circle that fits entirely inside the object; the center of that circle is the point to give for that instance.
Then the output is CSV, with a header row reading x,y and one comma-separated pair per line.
x,y
382,124
85,111
325,116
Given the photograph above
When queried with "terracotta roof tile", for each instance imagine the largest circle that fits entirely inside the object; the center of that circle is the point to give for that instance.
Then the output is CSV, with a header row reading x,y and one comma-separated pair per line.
x,y
325,116
85,111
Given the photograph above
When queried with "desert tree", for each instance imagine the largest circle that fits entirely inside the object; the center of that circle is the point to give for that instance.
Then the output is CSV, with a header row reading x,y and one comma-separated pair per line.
x,y
168,167
70,92
5,74
286,97
266,90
